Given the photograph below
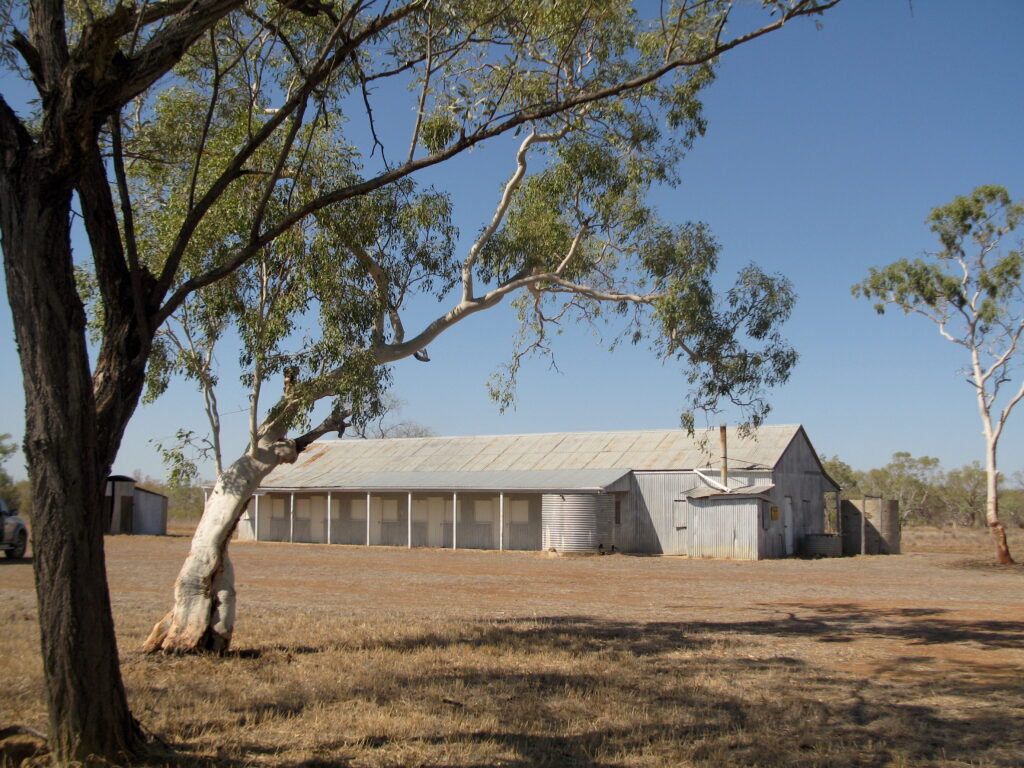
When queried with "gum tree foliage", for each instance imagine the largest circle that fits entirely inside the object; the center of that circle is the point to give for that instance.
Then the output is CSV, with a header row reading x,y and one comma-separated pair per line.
x,y
972,290
848,478
963,494
915,482
184,134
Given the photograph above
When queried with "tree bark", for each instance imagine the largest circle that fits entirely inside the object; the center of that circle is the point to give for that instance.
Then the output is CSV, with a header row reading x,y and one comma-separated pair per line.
x,y
992,505
203,617
88,708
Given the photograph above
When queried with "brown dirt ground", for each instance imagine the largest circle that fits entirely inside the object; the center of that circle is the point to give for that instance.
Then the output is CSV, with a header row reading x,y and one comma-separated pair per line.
x,y
939,618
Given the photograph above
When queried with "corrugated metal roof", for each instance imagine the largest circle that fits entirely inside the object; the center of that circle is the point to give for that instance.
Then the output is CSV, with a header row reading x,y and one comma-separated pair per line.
x,y
550,480
348,463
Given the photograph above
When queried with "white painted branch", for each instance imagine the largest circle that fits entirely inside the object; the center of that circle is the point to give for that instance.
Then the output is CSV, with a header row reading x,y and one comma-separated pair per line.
x,y
573,247
503,205
593,293
1005,413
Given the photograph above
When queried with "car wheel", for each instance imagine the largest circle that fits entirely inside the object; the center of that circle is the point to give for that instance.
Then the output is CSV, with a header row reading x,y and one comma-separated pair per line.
x,y
19,547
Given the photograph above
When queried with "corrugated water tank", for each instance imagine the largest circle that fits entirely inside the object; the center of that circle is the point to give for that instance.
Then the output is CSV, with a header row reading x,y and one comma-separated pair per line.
x,y
577,522
823,545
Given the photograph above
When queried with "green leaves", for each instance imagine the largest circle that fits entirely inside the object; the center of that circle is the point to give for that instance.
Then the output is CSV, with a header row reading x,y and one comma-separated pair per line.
x,y
973,281
733,345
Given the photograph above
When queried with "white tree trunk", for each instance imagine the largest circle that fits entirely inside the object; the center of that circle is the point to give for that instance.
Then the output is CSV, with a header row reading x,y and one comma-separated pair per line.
x,y
992,503
203,618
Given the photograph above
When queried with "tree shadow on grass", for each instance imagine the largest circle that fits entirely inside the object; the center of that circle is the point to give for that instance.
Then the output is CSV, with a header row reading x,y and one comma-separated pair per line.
x,y
831,623
916,626
683,693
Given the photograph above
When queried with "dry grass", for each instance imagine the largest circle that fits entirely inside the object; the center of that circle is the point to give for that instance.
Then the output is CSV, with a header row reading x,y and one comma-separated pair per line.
x,y
385,657
974,541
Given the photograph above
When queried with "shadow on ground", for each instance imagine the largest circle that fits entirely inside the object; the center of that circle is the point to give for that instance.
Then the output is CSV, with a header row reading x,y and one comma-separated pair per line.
x,y
587,692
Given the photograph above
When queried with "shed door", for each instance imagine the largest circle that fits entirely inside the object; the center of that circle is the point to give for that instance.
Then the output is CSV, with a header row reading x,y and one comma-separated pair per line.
x,y
787,523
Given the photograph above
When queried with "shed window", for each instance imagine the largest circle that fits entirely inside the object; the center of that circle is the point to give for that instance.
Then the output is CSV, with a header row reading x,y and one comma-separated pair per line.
x,y
277,508
358,509
482,510
389,512
618,510
419,511
519,512
680,511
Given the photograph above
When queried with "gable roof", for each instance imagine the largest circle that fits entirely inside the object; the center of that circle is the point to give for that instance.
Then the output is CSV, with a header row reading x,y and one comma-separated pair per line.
x,y
531,461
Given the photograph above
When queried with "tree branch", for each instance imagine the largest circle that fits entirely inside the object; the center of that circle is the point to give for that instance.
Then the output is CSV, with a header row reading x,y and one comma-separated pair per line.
x,y
333,423
506,200
326,64
428,59
465,142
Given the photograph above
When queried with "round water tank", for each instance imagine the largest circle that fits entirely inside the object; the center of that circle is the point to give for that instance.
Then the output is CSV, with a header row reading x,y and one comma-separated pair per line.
x,y
890,527
577,522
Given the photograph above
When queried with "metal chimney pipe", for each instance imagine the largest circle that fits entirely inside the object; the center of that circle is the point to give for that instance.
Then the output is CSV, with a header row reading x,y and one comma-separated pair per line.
x,y
725,457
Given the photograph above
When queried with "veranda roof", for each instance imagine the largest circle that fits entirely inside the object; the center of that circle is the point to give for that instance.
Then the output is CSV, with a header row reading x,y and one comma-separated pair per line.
x,y
543,481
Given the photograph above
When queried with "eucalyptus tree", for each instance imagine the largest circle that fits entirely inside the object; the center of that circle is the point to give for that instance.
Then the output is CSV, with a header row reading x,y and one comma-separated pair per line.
x,y
573,241
255,85
972,290
914,482
963,494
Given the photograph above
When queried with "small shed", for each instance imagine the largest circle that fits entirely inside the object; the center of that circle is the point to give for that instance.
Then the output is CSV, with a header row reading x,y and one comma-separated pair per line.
x,y
643,491
131,509
734,524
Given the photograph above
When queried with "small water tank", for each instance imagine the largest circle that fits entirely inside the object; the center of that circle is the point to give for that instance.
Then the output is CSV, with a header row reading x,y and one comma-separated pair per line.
x,y
823,545
577,522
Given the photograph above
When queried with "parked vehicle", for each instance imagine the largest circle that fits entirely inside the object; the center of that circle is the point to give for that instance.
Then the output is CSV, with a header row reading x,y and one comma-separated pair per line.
x,y
15,536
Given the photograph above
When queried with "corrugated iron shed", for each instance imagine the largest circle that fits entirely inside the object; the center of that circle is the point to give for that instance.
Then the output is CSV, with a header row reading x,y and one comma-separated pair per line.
x,y
352,463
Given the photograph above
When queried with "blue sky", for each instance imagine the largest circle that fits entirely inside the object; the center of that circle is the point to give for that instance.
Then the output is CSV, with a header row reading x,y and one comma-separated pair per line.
x,y
825,151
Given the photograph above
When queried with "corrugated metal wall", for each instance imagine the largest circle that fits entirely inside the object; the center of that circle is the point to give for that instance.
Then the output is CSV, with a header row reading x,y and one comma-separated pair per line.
x,y
479,520
523,521
721,527
652,508
797,476
348,518
149,515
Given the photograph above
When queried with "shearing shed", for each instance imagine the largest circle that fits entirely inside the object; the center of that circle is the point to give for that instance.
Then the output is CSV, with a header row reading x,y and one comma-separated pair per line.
x,y
722,494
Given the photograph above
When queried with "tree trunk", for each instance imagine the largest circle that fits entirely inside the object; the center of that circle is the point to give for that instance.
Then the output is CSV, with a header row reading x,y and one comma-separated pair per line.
x,y
89,713
203,617
992,505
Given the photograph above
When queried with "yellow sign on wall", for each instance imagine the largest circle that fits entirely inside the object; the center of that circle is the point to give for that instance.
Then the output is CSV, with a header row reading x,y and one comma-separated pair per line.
x,y
775,513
